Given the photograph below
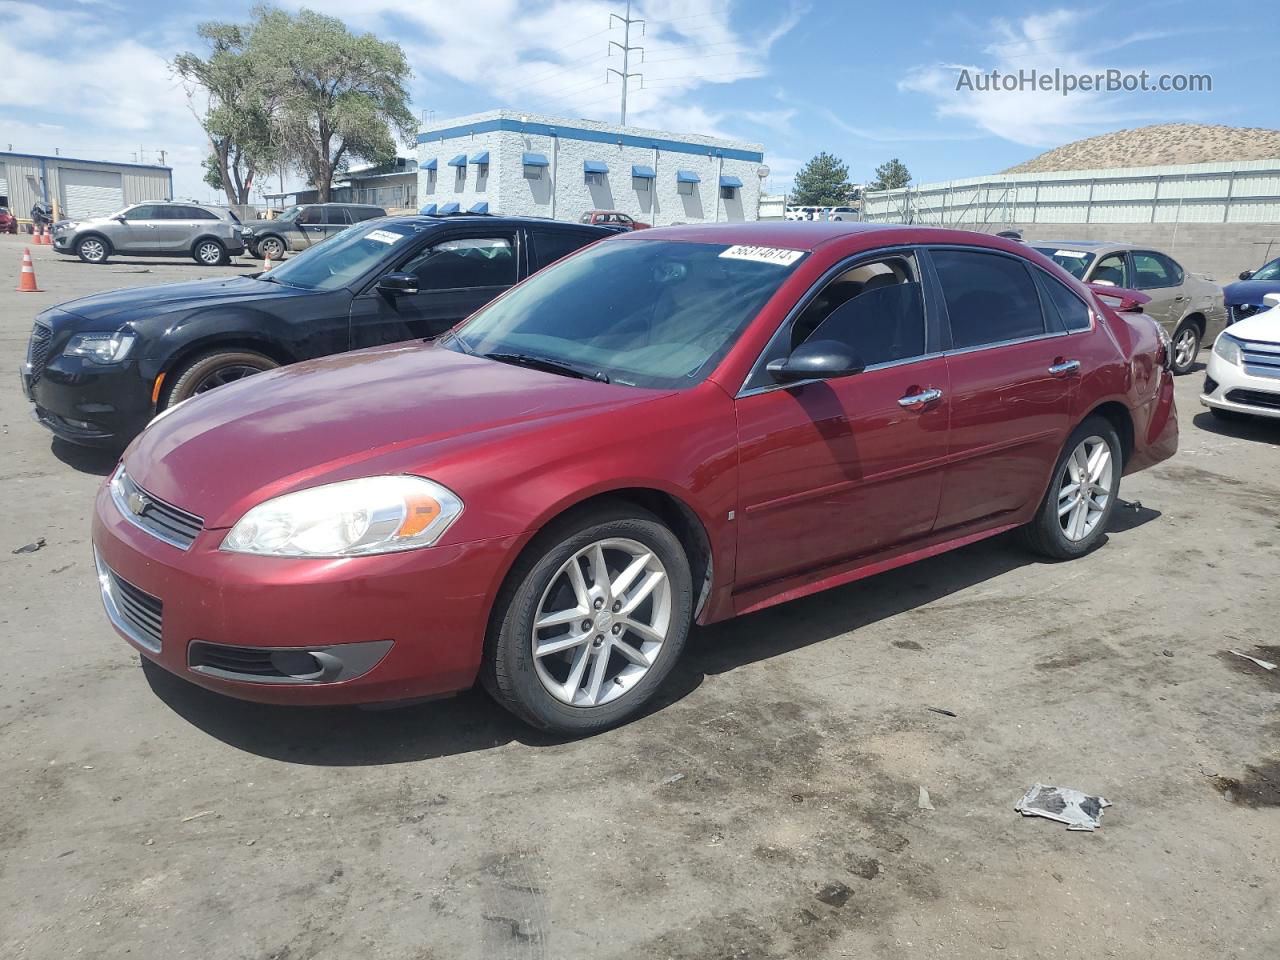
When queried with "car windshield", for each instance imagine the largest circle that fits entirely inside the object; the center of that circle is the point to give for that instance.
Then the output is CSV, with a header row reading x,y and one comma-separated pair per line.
x,y
647,313
290,214
1270,271
344,257
1075,262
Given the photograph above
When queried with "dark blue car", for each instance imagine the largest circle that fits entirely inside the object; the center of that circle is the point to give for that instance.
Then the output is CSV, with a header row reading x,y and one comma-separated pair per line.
x,y
1244,298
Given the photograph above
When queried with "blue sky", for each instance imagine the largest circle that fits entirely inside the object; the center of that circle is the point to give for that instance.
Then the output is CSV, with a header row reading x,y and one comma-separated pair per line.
x,y
864,81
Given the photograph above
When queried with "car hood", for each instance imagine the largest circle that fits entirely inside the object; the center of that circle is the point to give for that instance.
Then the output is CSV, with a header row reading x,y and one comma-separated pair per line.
x,y
1264,327
140,302
262,224
406,408
1250,291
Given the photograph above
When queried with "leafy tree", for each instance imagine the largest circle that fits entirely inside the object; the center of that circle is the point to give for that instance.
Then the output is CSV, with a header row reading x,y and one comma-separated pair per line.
x,y
238,109
891,176
342,95
822,182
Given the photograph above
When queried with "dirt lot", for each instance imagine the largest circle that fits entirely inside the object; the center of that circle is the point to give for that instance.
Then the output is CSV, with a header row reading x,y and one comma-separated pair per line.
x,y
768,809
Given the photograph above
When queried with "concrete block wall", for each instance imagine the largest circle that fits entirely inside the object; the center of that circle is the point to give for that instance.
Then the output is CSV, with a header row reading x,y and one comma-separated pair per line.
x,y
561,190
1220,250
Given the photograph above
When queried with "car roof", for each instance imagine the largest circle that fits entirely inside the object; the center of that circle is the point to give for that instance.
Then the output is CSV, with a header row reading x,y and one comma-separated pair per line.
x,y
1093,246
791,234
425,220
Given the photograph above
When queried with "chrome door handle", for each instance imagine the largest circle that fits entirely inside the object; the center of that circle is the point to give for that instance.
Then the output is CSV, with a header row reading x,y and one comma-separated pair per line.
x,y
1064,368
921,398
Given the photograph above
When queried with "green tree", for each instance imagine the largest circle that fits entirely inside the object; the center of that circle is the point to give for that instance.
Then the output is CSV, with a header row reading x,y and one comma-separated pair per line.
x,y
236,109
891,176
822,182
342,96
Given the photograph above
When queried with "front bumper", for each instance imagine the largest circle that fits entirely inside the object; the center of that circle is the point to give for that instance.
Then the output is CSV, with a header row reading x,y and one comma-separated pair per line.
x,y
89,403
1229,387
403,626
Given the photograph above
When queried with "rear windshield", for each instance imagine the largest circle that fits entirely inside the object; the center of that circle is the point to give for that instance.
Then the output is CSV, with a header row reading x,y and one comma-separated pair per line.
x,y
647,313
1075,262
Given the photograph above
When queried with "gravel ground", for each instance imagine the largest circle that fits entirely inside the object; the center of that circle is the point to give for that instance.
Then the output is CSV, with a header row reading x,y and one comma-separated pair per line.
x,y
767,809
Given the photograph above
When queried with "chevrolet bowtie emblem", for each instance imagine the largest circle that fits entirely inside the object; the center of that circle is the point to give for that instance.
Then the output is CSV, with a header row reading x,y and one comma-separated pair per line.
x,y
137,502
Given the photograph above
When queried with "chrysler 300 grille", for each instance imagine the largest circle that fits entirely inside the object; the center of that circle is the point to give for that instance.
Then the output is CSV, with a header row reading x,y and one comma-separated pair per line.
x,y
38,350
162,520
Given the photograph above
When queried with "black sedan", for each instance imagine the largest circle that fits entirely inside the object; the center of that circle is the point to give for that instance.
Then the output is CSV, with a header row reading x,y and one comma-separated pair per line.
x,y
98,369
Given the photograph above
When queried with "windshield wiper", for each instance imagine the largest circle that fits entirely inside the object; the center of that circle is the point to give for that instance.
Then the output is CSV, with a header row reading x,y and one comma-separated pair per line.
x,y
549,365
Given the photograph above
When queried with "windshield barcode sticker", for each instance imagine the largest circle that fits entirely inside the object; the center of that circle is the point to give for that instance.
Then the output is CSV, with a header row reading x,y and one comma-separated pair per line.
x,y
775,255
383,236
1070,253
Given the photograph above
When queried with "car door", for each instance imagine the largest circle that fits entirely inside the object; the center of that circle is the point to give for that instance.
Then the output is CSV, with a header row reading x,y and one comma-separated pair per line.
x,y
307,228
833,470
139,230
336,219
457,273
1155,276
180,227
1013,379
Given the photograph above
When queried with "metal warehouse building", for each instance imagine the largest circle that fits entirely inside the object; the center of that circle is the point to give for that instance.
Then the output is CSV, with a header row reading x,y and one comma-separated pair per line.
x,y
78,188
530,165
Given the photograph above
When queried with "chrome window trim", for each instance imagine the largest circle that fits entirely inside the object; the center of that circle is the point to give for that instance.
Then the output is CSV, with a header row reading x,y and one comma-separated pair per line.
x,y
770,387
107,588
954,352
848,263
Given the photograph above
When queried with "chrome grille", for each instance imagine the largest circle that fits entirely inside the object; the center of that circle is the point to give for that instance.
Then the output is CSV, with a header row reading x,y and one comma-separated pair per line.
x,y
162,520
135,612
38,350
1241,311
1260,359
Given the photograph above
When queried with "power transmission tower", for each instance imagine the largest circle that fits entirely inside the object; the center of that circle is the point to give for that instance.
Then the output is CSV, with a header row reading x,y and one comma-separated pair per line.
x,y
626,48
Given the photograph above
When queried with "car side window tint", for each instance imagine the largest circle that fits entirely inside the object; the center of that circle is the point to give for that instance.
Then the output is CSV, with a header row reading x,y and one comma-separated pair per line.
x,y
1071,310
311,216
1171,268
336,216
876,309
550,245
1150,270
1112,269
145,212
470,262
198,213
990,298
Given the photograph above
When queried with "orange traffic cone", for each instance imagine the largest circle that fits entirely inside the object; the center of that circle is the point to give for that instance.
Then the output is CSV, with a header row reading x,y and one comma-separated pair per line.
x,y
27,278
266,260
44,239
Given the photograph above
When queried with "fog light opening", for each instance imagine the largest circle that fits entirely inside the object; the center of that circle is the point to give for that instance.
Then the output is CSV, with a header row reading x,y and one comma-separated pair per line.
x,y
300,664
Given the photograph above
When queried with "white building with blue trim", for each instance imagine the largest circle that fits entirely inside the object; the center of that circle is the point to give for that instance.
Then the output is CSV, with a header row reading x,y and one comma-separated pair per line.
x,y
532,165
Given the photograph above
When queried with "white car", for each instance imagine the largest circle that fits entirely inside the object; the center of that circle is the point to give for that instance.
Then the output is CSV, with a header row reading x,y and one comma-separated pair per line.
x,y
1243,374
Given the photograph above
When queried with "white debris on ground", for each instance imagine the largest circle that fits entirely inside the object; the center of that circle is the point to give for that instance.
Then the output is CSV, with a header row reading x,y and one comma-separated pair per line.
x,y
1078,810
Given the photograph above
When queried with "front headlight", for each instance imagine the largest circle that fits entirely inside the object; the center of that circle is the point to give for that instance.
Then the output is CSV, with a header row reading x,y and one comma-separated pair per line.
x,y
1228,348
347,519
100,347
247,231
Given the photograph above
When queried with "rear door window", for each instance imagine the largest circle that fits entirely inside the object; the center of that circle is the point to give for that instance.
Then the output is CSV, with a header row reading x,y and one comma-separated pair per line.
x,y
1151,270
336,216
550,245
990,298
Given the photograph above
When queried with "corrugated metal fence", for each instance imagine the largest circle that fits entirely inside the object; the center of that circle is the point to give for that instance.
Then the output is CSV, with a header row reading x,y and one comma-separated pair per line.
x,y
1241,192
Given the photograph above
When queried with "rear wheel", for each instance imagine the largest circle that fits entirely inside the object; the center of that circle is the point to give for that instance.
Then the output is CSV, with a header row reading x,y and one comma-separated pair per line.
x,y
215,369
210,253
1186,347
93,250
591,621
1073,517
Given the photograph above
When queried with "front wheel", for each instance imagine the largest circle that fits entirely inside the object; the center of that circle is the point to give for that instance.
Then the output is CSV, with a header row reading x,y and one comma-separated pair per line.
x,y
591,621
1073,517
271,246
1186,347
210,253
93,250
216,369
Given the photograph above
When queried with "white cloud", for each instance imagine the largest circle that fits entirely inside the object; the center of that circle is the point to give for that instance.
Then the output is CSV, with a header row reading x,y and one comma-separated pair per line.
x,y
1062,39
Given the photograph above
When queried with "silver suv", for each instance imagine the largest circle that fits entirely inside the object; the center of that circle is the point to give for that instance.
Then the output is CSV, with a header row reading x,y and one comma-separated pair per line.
x,y
209,235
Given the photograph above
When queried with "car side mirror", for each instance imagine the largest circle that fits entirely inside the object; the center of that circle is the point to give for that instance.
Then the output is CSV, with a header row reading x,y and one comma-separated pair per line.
x,y
1246,274
118,218
816,360
1271,299
398,284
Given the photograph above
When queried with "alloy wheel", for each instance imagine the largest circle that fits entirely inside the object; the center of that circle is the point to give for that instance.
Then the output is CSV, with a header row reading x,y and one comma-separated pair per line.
x,y
221,376
271,247
93,250
1184,348
209,253
602,622
1084,488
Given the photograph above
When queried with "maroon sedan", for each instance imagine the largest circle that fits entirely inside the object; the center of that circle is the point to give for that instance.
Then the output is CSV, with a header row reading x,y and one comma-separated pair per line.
x,y
669,427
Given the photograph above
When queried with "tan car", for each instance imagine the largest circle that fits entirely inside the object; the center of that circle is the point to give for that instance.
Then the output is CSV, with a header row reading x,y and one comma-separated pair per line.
x,y
1189,306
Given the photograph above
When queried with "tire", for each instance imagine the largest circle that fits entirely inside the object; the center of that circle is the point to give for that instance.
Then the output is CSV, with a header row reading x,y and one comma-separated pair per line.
x,y
210,253
214,369
1186,347
271,243
1046,534
540,587
93,249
